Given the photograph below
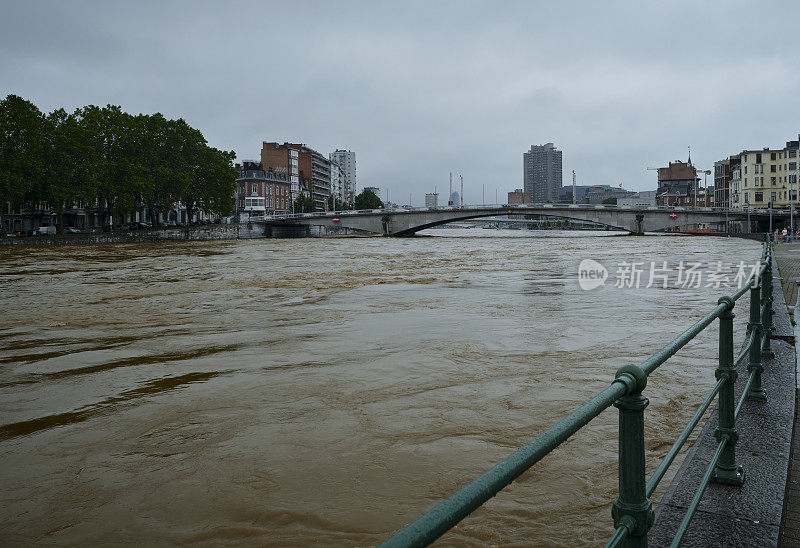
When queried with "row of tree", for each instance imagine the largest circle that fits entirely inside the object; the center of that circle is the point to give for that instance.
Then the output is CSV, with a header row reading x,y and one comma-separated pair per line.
x,y
366,200
109,161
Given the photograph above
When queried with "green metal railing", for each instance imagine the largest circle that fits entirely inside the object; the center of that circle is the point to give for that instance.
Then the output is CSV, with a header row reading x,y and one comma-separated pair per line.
x,y
632,511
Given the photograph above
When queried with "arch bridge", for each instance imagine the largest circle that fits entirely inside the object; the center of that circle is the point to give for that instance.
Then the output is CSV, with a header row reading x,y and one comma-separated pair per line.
x,y
408,221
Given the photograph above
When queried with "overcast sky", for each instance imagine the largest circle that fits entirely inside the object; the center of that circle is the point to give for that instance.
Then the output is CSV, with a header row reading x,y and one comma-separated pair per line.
x,y
420,89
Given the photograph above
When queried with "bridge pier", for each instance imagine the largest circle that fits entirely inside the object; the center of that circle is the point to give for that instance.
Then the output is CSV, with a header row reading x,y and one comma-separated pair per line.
x,y
637,225
286,231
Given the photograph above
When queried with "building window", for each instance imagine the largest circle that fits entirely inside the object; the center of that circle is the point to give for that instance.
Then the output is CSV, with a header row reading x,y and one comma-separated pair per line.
x,y
772,156
792,166
773,168
759,197
254,188
772,180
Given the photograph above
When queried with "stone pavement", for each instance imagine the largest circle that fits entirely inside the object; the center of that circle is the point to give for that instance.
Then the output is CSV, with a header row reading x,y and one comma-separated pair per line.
x,y
788,258
753,515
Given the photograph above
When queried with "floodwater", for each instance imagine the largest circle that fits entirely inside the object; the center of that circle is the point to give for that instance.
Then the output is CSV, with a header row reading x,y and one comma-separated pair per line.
x,y
328,391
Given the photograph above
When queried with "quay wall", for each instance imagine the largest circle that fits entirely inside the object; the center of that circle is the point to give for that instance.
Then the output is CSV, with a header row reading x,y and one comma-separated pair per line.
x,y
193,233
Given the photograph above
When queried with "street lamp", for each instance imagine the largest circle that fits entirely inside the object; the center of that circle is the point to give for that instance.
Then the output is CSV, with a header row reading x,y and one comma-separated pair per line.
x,y
791,212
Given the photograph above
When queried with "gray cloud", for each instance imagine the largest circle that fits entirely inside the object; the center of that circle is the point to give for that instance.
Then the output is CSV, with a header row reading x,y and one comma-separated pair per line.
x,y
422,89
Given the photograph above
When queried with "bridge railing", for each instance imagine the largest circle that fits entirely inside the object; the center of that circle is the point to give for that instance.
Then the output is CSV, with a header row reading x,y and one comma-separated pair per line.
x,y
508,208
632,511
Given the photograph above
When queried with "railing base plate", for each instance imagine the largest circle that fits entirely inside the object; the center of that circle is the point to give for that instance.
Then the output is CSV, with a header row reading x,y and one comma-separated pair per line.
x,y
728,477
760,395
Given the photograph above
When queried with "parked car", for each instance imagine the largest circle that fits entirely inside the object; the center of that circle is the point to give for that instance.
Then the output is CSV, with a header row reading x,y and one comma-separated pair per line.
x,y
46,230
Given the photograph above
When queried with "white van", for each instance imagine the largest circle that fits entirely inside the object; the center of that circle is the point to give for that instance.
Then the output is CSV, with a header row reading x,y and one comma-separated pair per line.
x,y
46,231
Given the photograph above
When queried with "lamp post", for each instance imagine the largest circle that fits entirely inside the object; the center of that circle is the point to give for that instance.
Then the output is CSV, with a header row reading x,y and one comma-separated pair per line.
x,y
770,216
791,213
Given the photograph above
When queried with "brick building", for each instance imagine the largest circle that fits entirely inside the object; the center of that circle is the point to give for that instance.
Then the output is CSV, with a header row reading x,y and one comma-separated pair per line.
x,y
519,197
308,171
261,192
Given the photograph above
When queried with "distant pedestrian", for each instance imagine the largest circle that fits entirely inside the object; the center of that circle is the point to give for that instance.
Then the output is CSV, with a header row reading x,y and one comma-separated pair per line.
x,y
784,235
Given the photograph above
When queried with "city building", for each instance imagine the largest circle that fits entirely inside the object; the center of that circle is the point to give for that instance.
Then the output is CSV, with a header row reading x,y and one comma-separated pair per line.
x,y
455,199
308,171
735,183
645,198
339,185
601,193
723,180
346,160
541,167
432,200
259,192
519,196
769,177
678,184
565,192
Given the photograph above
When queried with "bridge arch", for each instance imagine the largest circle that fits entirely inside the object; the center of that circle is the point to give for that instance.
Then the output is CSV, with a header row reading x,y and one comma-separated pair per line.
x,y
409,221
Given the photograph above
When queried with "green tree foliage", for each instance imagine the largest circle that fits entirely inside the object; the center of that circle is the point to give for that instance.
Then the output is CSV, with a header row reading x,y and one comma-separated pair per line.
x,y
109,161
368,200
335,204
304,204
22,151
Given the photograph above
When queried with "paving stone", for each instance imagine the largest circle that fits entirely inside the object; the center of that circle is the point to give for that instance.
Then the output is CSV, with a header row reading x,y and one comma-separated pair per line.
x,y
708,529
766,510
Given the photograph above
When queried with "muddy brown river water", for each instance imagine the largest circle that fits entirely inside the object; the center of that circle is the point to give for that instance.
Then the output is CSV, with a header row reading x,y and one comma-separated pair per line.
x,y
328,391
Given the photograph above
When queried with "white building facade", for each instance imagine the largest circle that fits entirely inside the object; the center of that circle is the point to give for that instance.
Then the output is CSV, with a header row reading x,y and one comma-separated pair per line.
x,y
769,175
346,160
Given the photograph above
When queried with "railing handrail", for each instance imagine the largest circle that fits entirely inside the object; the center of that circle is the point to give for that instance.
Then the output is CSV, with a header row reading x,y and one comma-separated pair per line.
x,y
632,511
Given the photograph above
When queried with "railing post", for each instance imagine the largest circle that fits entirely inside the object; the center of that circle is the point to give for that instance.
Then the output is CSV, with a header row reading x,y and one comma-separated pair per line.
x,y
756,391
767,296
727,471
632,508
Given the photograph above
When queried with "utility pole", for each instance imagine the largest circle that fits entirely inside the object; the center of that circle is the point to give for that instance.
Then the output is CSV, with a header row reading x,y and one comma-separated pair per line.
x,y
462,190
574,197
450,195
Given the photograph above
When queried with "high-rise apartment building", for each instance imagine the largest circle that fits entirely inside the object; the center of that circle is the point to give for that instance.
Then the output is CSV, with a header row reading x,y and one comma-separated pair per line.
x,y
541,168
309,171
432,200
346,160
